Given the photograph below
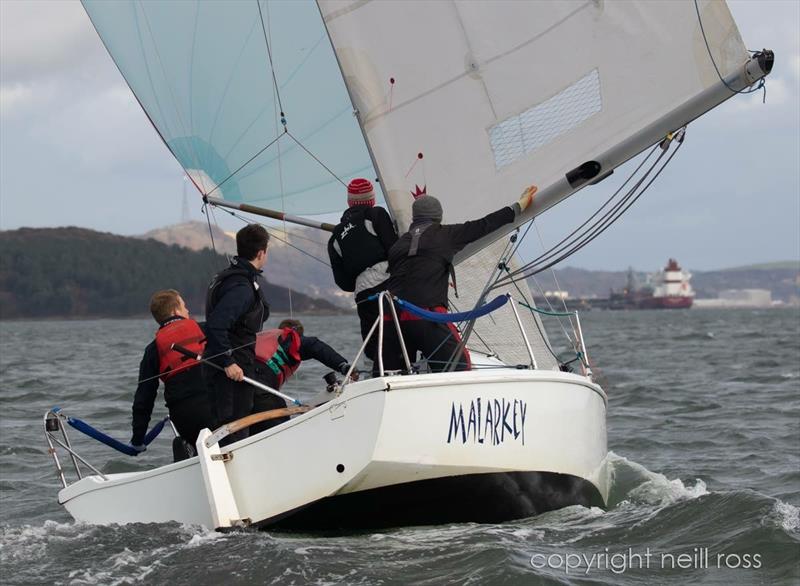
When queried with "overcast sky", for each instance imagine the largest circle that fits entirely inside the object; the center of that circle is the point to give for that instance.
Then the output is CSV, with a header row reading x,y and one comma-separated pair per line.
x,y
75,149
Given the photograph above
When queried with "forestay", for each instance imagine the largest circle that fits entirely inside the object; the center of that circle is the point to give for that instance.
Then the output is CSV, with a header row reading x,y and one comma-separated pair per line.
x,y
201,71
499,95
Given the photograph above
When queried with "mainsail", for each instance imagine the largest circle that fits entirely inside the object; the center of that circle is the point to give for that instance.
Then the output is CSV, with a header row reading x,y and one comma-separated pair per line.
x,y
495,96
500,95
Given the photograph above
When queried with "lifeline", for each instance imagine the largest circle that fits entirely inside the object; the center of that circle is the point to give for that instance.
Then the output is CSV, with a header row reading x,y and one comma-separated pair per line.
x,y
496,420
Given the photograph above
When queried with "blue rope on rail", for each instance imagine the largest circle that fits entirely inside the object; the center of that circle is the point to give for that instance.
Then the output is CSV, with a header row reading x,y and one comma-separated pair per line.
x,y
87,429
433,316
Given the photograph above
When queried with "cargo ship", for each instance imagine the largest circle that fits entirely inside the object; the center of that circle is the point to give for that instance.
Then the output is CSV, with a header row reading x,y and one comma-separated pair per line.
x,y
668,289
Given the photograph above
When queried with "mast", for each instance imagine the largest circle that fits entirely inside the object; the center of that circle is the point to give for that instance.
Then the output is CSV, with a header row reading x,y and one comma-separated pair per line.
x,y
356,112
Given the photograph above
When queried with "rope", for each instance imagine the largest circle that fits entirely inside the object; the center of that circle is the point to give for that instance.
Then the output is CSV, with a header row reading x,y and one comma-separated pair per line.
x,y
111,442
436,317
550,313
762,82
564,242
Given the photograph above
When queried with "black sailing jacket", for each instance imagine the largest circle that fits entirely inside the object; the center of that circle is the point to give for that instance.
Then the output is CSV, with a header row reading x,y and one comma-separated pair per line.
x,y
422,278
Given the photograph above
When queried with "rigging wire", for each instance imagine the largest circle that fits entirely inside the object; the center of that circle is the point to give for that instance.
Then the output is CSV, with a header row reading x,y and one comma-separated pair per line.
x,y
561,243
629,201
563,251
207,212
271,64
272,233
247,162
550,306
484,342
144,380
278,146
313,156
553,272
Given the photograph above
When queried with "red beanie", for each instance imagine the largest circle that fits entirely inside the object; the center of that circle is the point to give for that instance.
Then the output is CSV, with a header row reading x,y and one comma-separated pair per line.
x,y
360,193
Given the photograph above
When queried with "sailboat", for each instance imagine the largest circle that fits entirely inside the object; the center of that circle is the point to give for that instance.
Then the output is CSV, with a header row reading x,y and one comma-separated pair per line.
x,y
274,105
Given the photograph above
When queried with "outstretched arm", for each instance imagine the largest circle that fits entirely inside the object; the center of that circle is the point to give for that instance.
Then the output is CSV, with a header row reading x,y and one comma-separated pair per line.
x,y
467,232
311,347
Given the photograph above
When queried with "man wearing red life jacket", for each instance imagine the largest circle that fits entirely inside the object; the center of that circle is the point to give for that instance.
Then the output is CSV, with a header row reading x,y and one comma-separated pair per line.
x,y
279,353
185,391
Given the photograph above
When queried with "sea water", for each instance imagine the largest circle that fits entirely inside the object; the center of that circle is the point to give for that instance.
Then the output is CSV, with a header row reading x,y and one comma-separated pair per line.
x,y
703,433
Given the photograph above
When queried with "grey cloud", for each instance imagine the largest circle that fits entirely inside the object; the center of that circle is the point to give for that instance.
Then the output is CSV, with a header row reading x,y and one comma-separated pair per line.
x,y
41,39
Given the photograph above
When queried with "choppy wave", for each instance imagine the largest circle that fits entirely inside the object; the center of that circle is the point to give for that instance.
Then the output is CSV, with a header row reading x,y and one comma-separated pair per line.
x,y
703,435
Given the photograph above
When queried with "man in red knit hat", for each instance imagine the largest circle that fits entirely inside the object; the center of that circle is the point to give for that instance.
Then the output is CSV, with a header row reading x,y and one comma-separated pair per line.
x,y
358,251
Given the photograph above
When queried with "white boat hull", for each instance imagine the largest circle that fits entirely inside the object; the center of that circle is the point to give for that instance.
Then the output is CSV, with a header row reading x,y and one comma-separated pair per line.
x,y
520,442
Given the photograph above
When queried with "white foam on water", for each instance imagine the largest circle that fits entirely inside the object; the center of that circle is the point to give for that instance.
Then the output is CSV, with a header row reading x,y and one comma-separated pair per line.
x,y
785,515
203,537
527,532
130,566
651,488
660,491
30,542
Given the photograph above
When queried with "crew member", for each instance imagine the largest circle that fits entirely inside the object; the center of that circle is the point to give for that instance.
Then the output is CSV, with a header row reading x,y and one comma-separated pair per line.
x,y
235,312
279,353
421,262
185,391
358,251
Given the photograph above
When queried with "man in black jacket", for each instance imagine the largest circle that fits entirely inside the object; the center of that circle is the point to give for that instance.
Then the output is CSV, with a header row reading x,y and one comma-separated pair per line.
x,y
358,250
185,391
235,312
420,264
279,353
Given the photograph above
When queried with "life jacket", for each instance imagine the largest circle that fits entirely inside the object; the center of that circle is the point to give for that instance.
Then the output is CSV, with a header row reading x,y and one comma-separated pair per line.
x,y
242,334
279,349
183,332
356,241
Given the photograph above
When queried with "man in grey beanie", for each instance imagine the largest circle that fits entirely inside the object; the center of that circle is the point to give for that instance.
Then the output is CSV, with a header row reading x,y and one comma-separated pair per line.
x,y
420,263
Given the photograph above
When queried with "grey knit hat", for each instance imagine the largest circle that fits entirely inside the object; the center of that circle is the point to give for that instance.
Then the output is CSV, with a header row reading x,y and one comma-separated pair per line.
x,y
426,207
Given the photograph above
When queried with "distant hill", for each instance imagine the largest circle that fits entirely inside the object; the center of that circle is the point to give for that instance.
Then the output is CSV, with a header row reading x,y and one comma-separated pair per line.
x,y
75,272
307,271
301,272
